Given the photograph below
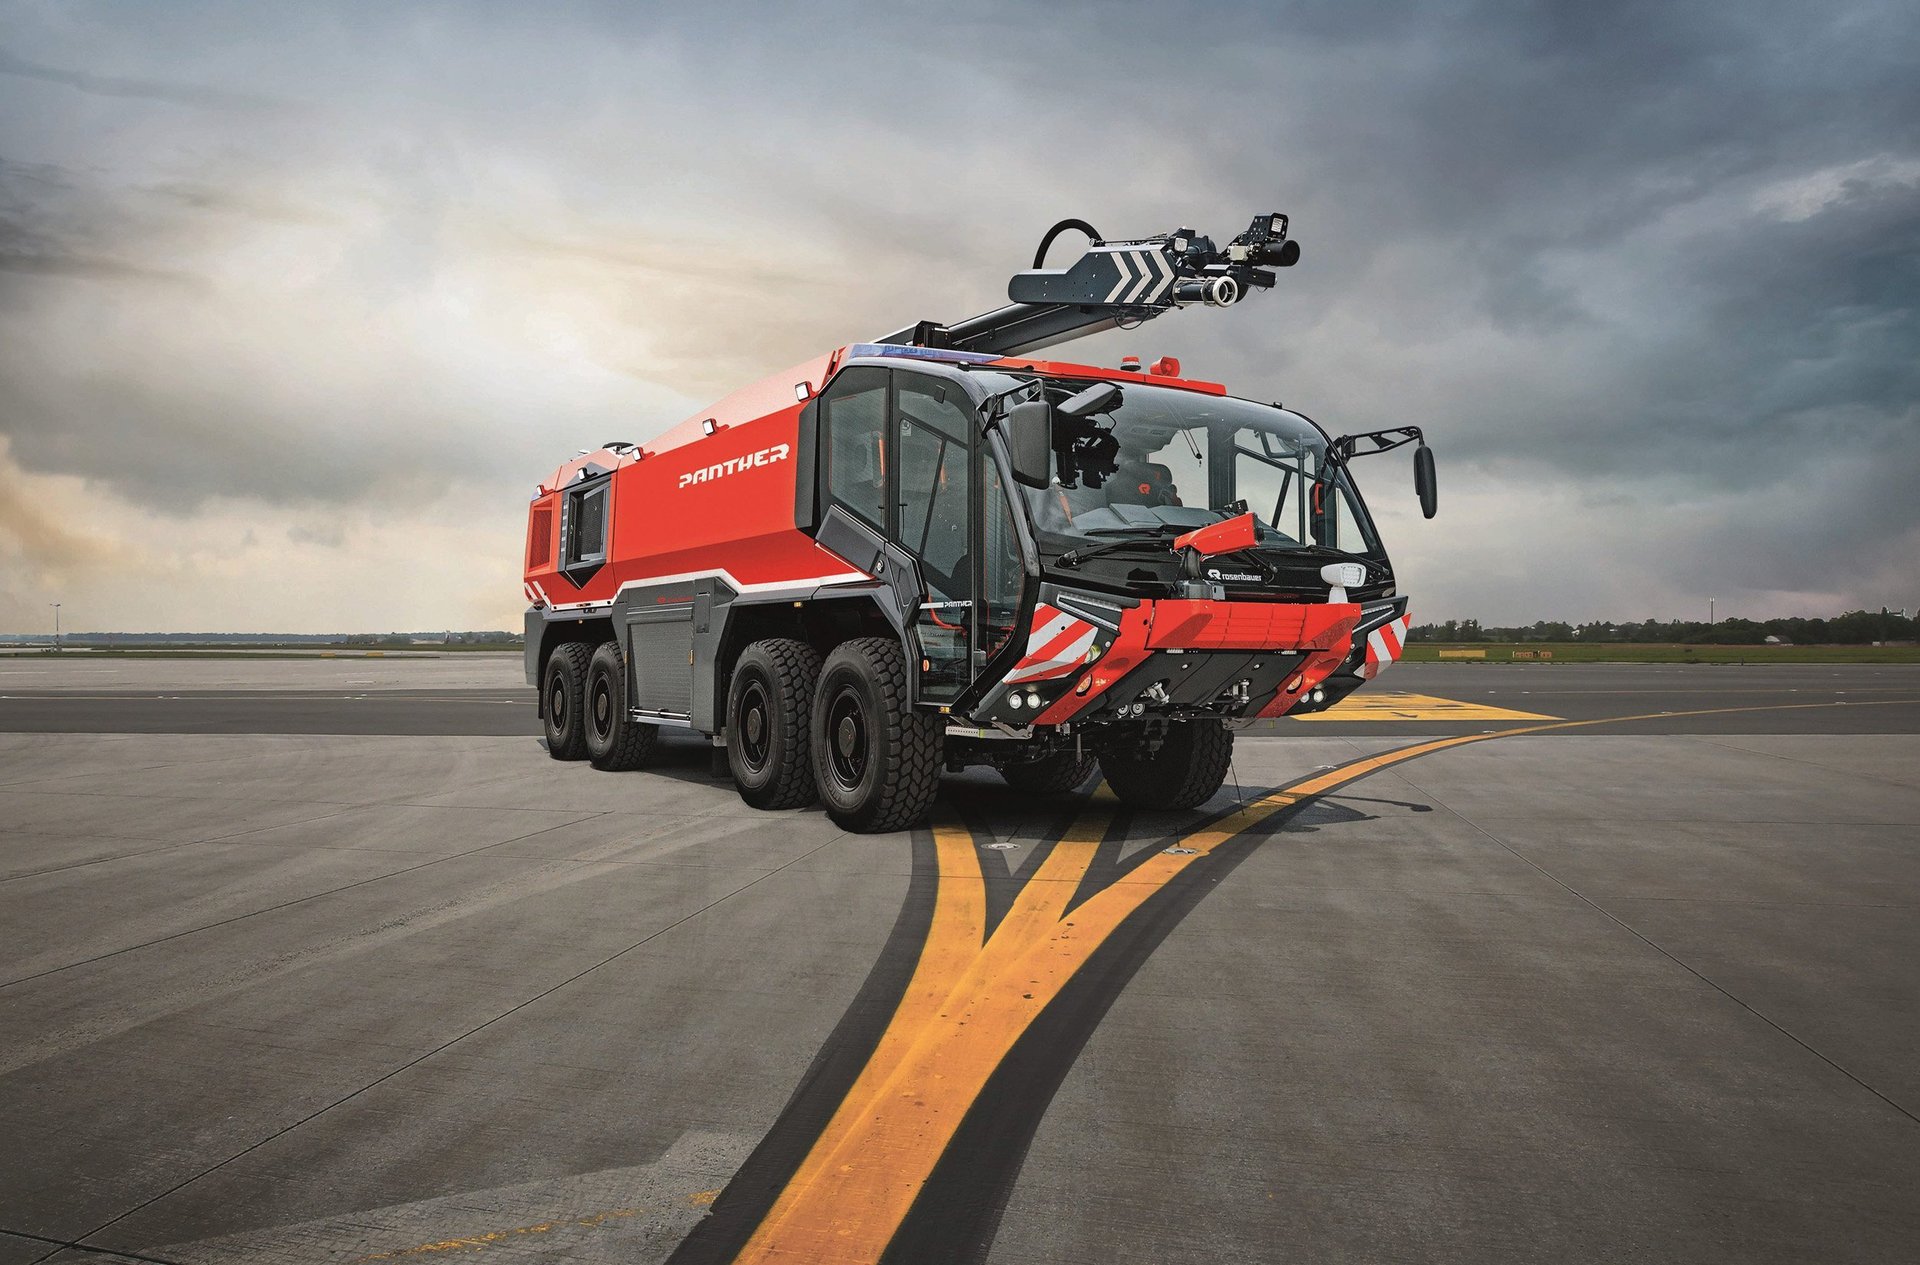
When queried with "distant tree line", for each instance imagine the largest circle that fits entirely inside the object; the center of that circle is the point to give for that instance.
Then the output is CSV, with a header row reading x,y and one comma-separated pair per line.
x,y
446,638
1851,629
488,638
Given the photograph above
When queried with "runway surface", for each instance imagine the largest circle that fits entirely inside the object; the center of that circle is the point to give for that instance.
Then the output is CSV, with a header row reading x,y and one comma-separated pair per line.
x,y
485,694
353,972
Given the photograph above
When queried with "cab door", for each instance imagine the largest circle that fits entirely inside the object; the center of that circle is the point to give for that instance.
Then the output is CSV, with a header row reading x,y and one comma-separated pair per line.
x,y
932,442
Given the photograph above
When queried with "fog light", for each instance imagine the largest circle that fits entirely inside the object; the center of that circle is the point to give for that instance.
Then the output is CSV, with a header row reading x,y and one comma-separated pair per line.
x,y
1033,700
1319,695
1015,701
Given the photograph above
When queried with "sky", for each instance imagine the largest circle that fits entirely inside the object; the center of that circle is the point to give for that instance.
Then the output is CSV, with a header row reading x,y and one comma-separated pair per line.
x,y
298,302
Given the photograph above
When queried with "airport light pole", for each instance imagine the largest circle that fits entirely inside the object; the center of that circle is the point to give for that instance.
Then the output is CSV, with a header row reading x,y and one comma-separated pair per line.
x,y
56,624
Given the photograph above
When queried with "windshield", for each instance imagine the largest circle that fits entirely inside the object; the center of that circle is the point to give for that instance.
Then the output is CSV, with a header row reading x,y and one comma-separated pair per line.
x,y
1166,460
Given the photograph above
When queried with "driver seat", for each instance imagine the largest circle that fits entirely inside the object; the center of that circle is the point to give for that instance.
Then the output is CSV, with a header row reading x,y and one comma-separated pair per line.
x,y
1142,483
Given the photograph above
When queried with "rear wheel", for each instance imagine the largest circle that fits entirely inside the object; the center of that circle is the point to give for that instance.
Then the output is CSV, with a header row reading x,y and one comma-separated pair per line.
x,y
1186,770
876,759
1054,774
614,739
563,691
769,714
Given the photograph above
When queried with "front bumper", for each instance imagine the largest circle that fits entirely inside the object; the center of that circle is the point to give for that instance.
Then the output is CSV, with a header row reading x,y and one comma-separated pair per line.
x,y
1094,658
1379,639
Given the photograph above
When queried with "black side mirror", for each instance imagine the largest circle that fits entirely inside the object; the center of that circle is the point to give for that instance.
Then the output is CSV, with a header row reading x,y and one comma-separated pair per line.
x,y
1423,481
1029,431
1101,397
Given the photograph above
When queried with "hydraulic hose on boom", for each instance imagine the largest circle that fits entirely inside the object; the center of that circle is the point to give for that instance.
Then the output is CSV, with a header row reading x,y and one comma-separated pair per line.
x,y
1115,283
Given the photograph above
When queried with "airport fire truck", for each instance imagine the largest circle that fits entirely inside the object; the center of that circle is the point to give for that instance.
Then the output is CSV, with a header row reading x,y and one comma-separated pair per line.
x,y
939,549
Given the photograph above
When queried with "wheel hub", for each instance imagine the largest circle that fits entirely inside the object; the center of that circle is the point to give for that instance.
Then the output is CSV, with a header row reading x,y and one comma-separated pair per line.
x,y
756,727
601,709
847,725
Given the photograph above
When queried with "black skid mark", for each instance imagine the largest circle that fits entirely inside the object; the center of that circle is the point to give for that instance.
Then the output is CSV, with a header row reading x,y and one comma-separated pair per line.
x,y
1409,805
957,1214
1112,863
1004,884
754,1189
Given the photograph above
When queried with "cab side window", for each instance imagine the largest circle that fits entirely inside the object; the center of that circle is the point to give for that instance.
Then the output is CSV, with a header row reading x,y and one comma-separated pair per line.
x,y
935,483
853,415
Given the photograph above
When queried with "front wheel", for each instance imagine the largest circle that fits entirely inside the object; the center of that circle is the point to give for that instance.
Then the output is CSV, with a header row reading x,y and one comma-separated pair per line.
x,y
1186,770
615,740
876,759
769,714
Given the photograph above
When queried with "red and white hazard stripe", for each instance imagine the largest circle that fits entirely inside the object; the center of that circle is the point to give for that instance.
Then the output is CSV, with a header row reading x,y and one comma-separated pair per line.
x,y
1384,645
1056,646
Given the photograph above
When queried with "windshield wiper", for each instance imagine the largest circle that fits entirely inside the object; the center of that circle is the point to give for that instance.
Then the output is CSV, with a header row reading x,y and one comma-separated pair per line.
x,y
1330,550
1133,537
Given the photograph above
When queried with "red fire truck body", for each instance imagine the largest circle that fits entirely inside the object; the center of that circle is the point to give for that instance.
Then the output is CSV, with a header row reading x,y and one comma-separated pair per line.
x,y
934,551
693,502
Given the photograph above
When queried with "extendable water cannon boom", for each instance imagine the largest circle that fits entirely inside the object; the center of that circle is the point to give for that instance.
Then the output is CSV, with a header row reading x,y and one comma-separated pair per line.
x,y
1115,283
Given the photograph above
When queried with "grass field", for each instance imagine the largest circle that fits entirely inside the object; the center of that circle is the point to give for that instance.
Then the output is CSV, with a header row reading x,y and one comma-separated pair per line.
x,y
1654,652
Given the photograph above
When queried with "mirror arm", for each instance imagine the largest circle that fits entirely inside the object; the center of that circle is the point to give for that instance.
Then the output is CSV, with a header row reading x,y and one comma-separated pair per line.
x,y
1347,447
994,408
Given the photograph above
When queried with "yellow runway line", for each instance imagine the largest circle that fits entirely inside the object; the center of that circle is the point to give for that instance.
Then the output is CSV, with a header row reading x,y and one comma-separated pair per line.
x,y
1369,705
972,997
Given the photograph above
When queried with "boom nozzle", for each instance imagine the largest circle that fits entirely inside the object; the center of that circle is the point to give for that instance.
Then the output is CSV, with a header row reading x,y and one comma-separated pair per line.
x,y
1207,291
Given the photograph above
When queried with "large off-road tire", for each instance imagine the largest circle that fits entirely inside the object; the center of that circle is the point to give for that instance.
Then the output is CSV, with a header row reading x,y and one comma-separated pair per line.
x,y
1054,774
1186,770
615,741
769,715
876,759
563,689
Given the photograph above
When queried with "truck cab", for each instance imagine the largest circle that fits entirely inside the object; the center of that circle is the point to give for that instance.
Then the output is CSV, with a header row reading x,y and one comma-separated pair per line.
x,y
1026,584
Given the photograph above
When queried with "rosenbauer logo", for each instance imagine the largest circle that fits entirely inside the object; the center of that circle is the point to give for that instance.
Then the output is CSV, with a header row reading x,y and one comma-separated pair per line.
x,y
734,465
1214,573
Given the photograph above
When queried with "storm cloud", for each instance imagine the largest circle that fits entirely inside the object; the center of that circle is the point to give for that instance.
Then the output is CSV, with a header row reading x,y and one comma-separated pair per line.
x,y
350,279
